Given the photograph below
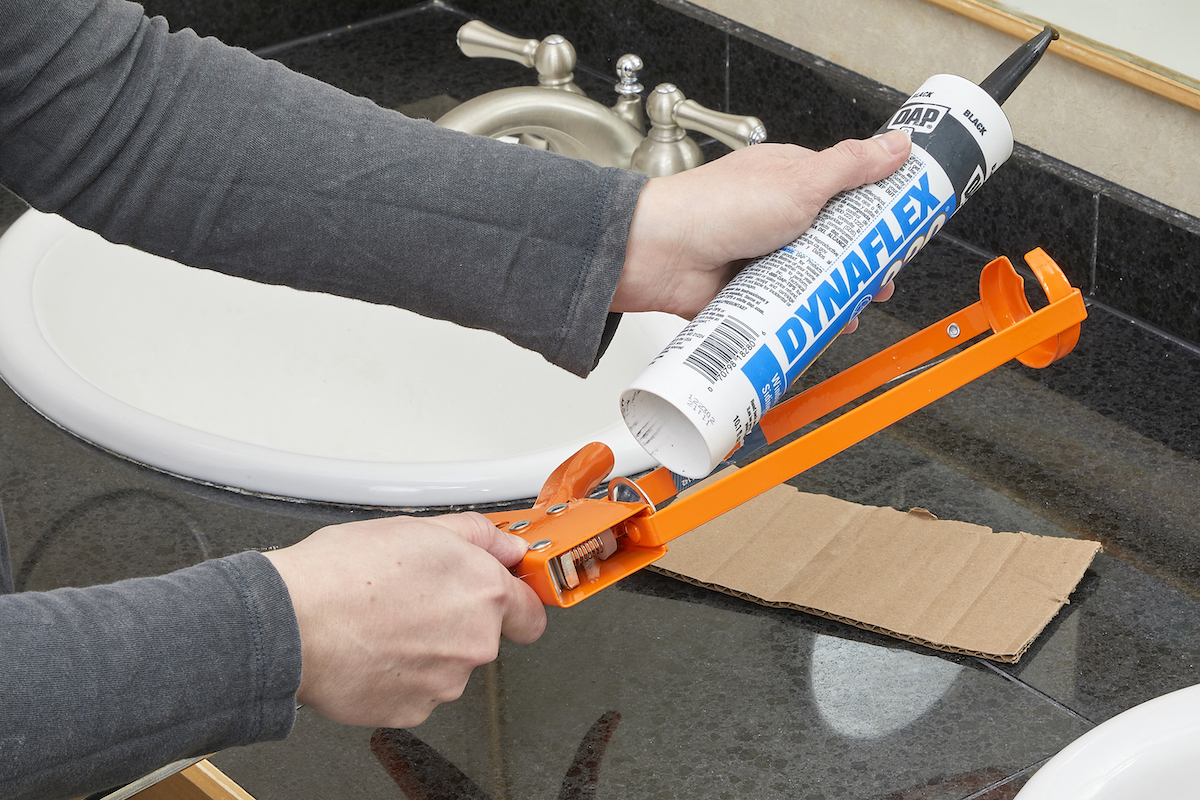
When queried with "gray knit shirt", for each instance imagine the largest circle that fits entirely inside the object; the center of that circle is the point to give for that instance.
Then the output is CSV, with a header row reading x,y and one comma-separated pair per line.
x,y
203,153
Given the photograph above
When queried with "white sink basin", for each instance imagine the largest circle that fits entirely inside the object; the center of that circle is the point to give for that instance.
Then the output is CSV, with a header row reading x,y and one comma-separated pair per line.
x,y
1150,751
285,393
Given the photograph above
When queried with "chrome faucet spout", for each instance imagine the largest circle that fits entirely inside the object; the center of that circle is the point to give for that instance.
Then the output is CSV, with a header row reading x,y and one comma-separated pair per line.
x,y
629,91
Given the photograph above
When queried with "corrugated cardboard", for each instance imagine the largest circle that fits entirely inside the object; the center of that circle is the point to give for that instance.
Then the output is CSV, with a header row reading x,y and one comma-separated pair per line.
x,y
953,586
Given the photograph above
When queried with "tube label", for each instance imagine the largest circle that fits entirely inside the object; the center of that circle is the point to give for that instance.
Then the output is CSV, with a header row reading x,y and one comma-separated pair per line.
x,y
709,387
830,284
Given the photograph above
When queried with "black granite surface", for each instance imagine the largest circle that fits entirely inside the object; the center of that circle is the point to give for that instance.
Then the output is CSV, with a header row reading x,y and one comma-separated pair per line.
x,y
258,24
658,689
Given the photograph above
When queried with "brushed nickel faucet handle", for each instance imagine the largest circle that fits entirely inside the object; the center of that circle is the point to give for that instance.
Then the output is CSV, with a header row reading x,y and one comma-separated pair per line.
x,y
553,57
477,39
731,130
667,149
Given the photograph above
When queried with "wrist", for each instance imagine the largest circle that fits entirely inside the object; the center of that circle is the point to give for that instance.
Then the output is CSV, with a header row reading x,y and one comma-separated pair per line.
x,y
656,270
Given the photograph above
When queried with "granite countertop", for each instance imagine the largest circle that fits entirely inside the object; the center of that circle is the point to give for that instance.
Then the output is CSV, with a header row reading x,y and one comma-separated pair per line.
x,y
654,688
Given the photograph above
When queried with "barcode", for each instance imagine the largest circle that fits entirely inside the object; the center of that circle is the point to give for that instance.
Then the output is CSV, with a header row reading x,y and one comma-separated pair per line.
x,y
721,349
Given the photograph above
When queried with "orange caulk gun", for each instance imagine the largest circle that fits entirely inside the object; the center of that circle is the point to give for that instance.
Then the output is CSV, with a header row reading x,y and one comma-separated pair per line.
x,y
579,544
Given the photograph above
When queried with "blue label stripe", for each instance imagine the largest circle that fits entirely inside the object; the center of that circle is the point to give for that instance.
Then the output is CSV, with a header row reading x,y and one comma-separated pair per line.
x,y
844,290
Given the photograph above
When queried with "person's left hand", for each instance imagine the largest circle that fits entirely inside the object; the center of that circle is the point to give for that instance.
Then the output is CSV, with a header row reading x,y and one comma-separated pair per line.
x,y
395,613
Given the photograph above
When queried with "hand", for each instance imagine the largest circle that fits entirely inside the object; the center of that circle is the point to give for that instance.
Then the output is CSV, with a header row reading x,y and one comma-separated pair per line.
x,y
395,613
885,293
692,231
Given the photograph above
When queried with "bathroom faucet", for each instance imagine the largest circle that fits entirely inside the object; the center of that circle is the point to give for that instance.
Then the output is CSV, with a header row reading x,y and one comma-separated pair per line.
x,y
556,115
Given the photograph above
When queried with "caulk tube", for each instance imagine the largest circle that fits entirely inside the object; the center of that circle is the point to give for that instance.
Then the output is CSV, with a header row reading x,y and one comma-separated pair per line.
x,y
700,397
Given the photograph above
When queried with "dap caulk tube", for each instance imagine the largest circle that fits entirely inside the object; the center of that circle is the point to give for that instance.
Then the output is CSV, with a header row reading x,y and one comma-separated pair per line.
x,y
700,397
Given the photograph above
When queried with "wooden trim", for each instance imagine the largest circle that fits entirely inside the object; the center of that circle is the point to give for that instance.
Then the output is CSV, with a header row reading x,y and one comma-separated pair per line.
x,y
201,781
1078,51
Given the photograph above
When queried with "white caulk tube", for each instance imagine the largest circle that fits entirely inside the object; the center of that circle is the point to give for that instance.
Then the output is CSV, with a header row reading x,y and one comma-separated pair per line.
x,y
708,388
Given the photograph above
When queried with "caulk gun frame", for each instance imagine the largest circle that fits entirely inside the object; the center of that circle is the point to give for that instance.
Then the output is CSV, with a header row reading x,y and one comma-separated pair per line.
x,y
635,513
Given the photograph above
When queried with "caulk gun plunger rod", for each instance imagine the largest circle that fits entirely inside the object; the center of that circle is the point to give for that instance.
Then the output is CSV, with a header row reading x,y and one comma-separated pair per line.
x,y
1008,76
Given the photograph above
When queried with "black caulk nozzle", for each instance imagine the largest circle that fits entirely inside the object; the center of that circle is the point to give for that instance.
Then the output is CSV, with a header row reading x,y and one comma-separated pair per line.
x,y
1008,76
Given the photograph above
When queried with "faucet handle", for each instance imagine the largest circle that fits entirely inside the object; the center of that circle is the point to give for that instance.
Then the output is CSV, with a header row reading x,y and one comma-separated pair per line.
x,y
479,40
553,57
667,149
730,129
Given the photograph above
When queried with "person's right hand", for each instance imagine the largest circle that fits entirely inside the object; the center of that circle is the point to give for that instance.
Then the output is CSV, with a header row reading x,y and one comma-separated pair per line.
x,y
691,232
395,613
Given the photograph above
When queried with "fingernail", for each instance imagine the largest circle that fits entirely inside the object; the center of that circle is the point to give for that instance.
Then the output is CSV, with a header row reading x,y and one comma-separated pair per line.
x,y
517,540
895,141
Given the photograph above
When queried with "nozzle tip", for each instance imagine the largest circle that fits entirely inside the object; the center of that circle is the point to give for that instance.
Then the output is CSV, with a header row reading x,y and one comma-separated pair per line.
x,y
1001,83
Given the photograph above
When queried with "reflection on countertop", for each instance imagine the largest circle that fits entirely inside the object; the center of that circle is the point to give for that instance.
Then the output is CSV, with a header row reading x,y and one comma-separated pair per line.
x,y
659,689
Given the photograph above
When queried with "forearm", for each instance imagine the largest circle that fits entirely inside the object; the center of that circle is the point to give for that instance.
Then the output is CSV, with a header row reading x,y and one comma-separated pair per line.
x,y
105,684
208,155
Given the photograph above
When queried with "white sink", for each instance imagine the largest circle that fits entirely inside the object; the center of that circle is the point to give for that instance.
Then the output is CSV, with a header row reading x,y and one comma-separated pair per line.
x,y
1151,751
278,392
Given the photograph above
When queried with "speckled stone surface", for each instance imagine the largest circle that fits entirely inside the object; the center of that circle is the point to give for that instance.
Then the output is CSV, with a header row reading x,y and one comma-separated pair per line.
x,y
260,23
658,689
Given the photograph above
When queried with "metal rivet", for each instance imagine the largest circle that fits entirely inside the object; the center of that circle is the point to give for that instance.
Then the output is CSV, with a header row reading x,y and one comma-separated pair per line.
x,y
557,508
519,525
540,544
952,330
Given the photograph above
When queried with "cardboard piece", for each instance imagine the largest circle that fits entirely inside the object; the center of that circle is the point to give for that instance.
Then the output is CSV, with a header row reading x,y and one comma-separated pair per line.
x,y
953,586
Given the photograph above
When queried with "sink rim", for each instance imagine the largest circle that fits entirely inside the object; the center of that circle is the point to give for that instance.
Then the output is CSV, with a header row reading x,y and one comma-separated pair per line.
x,y
36,372
1106,762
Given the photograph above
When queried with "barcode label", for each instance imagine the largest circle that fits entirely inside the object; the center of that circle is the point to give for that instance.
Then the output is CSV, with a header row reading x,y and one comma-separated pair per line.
x,y
729,343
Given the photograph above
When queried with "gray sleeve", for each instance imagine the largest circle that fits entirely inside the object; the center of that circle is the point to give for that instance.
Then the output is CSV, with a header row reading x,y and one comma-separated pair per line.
x,y
187,148
103,685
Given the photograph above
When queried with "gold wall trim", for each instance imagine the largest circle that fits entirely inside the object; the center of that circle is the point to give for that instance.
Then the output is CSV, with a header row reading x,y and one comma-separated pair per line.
x,y
1078,51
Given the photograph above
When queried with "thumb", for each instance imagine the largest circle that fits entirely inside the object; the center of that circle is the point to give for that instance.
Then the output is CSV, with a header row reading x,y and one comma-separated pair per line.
x,y
524,615
507,548
853,163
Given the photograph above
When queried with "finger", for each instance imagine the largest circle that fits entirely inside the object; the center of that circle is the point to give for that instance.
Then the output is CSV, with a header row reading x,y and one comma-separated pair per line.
x,y
525,619
852,163
885,293
507,548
